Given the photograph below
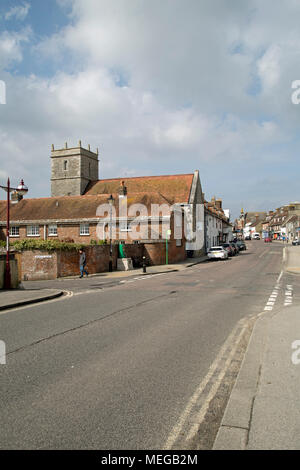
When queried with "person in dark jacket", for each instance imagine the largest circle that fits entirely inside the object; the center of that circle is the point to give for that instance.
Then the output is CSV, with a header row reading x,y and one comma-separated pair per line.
x,y
82,263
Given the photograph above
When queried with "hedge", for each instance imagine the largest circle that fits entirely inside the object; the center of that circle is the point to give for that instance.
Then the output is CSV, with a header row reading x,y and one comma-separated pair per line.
x,y
47,245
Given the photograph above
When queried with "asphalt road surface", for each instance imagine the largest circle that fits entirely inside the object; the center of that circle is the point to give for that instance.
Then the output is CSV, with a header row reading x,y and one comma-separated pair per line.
x,y
146,364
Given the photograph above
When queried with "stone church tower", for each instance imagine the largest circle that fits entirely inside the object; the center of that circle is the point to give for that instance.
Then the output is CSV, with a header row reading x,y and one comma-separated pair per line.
x,y
72,169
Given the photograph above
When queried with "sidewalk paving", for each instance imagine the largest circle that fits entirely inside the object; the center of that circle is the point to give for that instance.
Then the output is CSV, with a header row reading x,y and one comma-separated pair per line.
x,y
17,298
292,259
163,268
263,411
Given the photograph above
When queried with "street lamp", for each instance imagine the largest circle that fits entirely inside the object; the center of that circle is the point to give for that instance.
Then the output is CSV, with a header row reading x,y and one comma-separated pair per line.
x,y
21,190
111,203
167,251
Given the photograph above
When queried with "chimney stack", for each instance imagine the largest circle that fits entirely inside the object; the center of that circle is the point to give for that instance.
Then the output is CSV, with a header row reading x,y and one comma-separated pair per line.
x,y
16,197
219,203
123,189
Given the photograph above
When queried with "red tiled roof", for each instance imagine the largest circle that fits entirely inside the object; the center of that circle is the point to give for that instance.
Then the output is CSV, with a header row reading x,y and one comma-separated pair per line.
x,y
210,207
176,188
72,207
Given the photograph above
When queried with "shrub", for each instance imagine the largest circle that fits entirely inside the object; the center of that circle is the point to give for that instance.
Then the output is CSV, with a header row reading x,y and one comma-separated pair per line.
x,y
45,245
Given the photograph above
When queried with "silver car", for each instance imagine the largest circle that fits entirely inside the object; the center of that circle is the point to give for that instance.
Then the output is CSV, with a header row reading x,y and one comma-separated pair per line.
x,y
217,252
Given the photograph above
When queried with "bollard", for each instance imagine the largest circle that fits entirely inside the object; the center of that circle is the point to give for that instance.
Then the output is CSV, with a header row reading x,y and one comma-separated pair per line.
x,y
144,264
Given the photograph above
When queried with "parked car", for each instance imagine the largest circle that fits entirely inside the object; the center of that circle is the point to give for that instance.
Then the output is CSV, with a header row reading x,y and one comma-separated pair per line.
x,y
242,245
229,248
217,252
268,240
256,236
235,248
248,237
296,242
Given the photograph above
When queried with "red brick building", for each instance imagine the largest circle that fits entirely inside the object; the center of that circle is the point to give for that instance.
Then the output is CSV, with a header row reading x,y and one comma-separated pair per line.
x,y
78,200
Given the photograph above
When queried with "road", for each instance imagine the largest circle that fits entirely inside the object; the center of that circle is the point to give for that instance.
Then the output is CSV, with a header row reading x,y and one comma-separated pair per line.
x,y
145,364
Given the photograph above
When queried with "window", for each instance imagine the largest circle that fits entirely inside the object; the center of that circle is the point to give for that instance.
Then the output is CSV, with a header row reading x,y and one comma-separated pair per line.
x,y
84,229
65,165
125,226
14,231
52,230
33,231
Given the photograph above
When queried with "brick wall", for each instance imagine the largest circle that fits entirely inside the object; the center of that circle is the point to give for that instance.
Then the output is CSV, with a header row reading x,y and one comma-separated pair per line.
x,y
45,265
134,251
97,260
155,252
38,264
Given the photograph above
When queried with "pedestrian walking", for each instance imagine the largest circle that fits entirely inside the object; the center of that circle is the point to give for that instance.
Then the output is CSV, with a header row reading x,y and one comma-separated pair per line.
x,y
82,263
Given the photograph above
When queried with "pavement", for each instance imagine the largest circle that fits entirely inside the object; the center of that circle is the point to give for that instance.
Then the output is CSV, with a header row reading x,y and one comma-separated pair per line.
x,y
18,298
292,259
164,268
32,292
263,411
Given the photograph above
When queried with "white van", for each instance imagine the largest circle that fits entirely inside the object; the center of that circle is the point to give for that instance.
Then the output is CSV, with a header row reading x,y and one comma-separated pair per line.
x,y
255,236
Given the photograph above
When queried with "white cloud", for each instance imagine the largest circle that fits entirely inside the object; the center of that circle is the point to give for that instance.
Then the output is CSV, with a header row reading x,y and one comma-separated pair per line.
x,y
11,46
269,68
160,87
18,12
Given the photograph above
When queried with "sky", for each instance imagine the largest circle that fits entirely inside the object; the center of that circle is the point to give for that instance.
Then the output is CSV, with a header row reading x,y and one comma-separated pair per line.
x,y
160,87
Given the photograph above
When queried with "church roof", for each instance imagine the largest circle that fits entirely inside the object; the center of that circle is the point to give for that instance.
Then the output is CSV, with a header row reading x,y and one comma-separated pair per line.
x,y
174,188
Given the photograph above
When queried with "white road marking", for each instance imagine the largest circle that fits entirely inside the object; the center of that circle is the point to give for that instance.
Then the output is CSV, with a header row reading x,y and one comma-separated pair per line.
x,y
273,297
193,400
177,430
279,277
201,415
288,300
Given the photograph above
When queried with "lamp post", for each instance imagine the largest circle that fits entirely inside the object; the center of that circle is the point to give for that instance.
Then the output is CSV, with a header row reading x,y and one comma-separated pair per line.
x,y
167,249
111,202
20,190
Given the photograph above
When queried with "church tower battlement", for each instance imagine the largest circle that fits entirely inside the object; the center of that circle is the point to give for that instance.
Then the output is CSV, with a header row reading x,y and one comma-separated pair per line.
x,y
72,169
